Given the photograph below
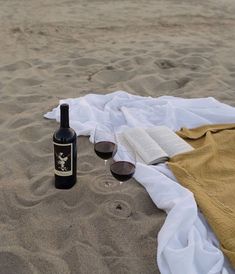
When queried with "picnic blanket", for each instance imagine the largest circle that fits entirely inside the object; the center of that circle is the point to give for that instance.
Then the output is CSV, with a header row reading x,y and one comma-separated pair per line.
x,y
209,172
186,244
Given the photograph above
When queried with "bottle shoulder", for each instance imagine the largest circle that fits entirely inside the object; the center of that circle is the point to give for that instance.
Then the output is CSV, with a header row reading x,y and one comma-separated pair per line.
x,y
64,135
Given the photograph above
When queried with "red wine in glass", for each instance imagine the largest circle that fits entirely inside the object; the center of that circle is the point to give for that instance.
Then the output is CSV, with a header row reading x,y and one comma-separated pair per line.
x,y
105,144
122,170
122,164
105,149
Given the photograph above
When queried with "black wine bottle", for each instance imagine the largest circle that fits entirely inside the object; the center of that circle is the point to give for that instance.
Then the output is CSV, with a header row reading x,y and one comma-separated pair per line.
x,y
65,152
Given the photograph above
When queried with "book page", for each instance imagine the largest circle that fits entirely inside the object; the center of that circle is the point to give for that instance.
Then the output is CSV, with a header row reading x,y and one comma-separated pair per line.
x,y
168,140
145,146
122,142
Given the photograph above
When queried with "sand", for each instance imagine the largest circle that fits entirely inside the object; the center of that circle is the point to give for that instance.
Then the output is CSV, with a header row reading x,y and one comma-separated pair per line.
x,y
50,50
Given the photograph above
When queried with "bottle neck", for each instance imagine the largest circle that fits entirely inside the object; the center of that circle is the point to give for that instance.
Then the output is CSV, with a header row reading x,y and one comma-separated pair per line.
x,y
64,116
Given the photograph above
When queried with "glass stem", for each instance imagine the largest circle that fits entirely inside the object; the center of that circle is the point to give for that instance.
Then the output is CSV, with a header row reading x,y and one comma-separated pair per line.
x,y
105,166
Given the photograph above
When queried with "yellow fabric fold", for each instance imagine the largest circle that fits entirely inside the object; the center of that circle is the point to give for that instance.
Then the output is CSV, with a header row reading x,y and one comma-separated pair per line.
x,y
209,172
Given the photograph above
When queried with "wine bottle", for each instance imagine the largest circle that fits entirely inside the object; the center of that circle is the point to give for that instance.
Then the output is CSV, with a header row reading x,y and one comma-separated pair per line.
x,y
65,152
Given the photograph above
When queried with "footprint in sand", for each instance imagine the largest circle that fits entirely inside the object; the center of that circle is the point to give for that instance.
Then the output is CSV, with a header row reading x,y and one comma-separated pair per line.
x,y
181,82
126,49
86,62
140,51
141,84
44,66
230,67
165,63
13,263
171,85
61,62
26,82
232,75
142,60
168,86
195,61
125,64
113,76
33,98
36,61
194,50
64,70
16,66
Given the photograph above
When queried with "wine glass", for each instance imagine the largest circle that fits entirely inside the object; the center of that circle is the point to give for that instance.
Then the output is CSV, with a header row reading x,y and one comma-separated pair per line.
x,y
122,164
105,145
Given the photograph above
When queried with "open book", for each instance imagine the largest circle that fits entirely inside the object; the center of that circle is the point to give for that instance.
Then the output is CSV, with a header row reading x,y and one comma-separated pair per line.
x,y
154,145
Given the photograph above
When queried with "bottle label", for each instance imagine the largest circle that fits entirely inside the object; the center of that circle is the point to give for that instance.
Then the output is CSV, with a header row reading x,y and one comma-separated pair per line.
x,y
63,159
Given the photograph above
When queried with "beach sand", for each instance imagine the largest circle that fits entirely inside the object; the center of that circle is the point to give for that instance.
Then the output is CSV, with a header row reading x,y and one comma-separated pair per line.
x,y
50,50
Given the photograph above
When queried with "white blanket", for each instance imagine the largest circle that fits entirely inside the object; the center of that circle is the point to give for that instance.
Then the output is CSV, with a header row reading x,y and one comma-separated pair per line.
x,y
186,244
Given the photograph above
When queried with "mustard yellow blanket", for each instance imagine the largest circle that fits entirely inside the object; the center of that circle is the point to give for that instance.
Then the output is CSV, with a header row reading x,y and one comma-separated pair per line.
x,y
209,172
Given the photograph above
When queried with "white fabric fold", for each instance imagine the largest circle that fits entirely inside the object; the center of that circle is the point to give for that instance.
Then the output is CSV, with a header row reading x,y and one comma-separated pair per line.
x,y
186,244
